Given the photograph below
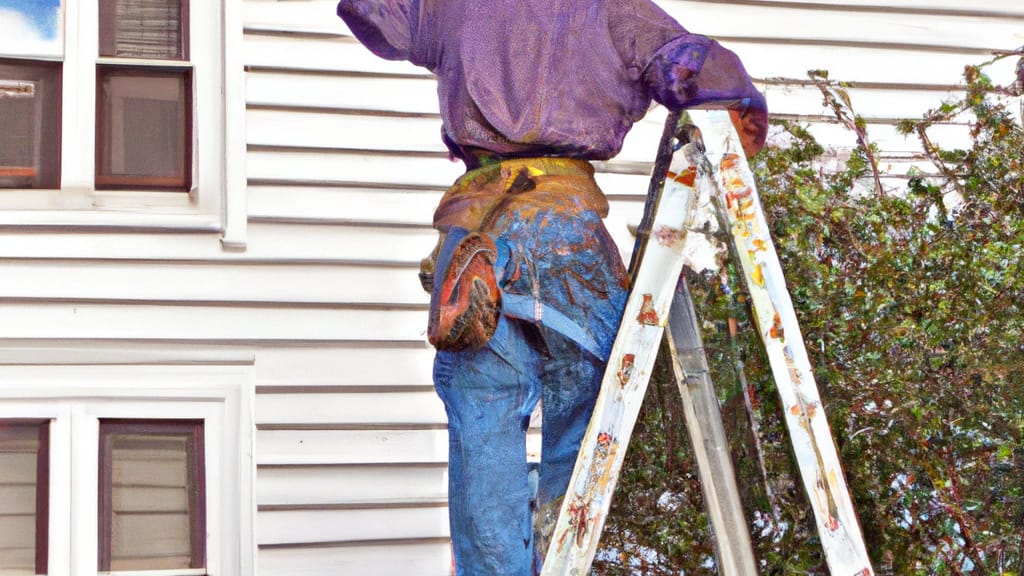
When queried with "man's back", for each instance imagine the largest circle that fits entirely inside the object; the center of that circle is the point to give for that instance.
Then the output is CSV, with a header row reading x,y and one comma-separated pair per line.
x,y
548,77
540,77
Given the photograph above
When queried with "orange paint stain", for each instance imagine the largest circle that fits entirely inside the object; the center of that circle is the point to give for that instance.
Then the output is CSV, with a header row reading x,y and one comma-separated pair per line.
x,y
626,370
730,161
687,178
648,315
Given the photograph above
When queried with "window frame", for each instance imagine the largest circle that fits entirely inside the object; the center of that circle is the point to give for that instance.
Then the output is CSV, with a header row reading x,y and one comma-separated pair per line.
x,y
76,399
86,472
43,499
215,201
59,477
137,182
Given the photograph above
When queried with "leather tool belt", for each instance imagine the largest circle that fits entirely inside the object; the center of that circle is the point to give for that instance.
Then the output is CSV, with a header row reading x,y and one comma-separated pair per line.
x,y
463,272
466,304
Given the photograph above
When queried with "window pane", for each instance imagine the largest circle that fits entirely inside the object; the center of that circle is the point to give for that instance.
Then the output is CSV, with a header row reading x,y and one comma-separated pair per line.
x,y
142,29
32,28
30,117
23,496
144,129
151,497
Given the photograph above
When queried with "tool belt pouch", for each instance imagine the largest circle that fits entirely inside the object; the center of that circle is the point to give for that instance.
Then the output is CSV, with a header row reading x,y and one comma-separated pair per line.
x,y
465,301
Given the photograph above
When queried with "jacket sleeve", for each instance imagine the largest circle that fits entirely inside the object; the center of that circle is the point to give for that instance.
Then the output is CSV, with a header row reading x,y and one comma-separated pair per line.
x,y
684,70
694,71
386,27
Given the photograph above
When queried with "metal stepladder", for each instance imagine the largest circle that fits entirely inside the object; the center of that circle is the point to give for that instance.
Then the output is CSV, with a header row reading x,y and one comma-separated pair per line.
x,y
706,184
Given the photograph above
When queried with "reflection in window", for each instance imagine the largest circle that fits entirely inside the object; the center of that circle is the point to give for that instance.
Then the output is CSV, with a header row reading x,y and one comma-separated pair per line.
x,y
142,29
30,117
152,498
24,496
144,128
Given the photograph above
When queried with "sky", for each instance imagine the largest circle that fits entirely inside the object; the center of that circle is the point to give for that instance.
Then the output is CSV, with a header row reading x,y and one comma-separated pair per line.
x,y
30,27
41,14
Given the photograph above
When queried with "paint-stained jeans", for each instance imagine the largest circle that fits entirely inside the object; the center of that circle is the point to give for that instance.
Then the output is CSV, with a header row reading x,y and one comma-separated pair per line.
x,y
570,263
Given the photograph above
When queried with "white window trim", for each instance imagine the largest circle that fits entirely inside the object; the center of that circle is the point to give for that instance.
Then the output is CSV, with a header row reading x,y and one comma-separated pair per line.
x,y
236,209
75,408
59,542
216,202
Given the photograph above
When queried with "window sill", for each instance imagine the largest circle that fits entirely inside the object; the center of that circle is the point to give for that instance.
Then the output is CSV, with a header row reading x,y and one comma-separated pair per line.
x,y
107,219
129,210
182,572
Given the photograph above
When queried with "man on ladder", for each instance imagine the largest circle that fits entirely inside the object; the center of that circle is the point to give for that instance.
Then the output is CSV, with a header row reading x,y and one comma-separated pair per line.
x,y
529,287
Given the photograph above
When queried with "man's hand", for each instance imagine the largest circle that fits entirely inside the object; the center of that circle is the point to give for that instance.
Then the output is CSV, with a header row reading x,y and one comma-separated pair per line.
x,y
700,73
751,121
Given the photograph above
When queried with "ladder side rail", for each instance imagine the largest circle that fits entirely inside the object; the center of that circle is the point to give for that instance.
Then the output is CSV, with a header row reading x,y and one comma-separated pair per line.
x,y
811,437
588,497
734,552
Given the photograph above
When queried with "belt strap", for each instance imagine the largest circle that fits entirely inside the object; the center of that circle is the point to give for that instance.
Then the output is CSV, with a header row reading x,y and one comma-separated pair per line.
x,y
532,310
555,183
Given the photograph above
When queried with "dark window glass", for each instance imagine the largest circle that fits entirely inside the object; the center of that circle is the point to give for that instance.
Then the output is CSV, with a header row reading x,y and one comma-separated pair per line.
x,y
143,128
30,117
151,29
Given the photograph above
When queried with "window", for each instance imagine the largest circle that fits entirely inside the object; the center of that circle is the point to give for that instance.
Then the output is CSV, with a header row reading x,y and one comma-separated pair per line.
x,y
143,128
122,110
24,496
144,96
152,502
143,80
143,28
137,480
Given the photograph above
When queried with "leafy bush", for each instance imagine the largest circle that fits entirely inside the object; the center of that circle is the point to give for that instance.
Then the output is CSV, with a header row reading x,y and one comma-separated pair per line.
x,y
912,307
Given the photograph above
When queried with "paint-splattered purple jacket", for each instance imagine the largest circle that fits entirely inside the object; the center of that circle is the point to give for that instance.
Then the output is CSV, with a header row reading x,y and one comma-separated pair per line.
x,y
553,77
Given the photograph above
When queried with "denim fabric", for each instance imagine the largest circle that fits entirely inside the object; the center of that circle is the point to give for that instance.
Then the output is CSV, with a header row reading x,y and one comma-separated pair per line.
x,y
569,262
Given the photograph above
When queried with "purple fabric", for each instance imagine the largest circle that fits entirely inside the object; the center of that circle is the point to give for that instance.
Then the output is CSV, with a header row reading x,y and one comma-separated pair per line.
x,y
521,78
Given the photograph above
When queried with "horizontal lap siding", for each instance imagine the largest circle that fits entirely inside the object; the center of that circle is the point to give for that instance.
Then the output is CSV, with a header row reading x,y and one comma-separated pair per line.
x,y
354,485
270,242
416,557
215,283
408,407
351,445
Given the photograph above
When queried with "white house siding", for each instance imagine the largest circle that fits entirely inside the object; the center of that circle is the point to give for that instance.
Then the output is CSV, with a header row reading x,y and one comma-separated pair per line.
x,y
322,311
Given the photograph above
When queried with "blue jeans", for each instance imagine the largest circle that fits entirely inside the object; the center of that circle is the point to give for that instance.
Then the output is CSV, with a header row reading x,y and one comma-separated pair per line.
x,y
570,263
